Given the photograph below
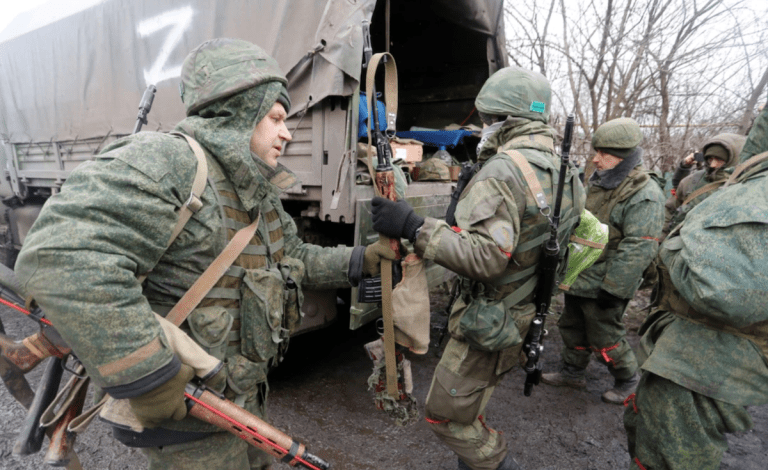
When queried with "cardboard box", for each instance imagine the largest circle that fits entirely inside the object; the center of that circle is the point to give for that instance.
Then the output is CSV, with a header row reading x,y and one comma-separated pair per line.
x,y
410,149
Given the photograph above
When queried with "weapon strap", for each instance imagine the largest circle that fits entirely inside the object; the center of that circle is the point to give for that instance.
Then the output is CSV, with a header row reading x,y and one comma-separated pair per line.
x,y
744,166
211,276
702,190
390,99
530,178
193,203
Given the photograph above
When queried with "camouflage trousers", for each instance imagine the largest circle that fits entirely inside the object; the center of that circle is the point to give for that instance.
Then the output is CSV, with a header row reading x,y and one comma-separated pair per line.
x,y
672,428
463,383
587,329
220,451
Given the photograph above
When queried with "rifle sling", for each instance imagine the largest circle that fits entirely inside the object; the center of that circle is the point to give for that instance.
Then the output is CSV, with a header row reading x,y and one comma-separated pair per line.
x,y
390,100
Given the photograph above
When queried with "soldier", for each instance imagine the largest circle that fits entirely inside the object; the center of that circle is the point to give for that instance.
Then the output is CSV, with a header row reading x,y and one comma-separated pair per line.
x,y
628,199
720,153
707,342
112,220
494,247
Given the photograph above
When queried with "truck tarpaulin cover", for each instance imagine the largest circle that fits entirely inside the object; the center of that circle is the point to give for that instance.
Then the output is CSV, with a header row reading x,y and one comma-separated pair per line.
x,y
82,76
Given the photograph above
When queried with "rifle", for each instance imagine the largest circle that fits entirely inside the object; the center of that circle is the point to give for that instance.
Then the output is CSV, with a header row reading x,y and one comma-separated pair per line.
x,y
213,409
145,105
550,258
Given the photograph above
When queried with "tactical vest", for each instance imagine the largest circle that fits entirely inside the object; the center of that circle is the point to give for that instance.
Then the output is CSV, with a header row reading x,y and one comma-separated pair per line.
x,y
519,284
258,254
671,300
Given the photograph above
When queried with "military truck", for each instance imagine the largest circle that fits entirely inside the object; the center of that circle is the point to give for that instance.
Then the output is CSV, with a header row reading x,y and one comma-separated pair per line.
x,y
72,86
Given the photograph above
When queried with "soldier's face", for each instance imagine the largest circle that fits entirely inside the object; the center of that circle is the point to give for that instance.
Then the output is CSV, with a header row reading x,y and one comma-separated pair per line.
x,y
715,163
270,135
605,161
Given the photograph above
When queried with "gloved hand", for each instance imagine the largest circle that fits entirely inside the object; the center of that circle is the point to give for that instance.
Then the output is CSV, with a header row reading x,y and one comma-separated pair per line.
x,y
606,300
395,219
374,253
163,402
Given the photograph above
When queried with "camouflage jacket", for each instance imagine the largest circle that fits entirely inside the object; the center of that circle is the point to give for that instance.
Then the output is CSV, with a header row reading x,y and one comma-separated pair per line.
x,y
112,221
634,223
701,178
497,242
710,332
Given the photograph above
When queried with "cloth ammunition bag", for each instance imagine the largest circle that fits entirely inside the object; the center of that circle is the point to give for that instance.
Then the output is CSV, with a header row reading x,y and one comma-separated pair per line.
x,y
410,306
270,308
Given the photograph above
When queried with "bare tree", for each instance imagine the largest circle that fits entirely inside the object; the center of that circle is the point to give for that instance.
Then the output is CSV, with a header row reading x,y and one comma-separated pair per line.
x,y
684,69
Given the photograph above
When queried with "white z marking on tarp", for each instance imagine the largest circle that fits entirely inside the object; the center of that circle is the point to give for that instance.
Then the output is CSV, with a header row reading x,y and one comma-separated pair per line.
x,y
179,20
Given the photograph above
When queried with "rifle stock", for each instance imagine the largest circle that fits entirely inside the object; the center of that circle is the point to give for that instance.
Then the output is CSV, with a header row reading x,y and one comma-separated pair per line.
x,y
206,406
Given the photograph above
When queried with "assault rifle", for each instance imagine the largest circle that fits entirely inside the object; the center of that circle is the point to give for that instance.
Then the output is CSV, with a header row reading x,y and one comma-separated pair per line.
x,y
202,403
548,265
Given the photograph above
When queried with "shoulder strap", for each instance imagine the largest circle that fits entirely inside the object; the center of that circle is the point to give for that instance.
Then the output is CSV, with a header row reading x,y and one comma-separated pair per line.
x,y
390,100
193,203
530,177
702,190
211,276
752,161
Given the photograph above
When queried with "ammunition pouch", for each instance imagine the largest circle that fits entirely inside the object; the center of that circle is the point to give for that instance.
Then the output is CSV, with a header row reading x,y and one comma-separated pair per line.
x,y
270,308
211,327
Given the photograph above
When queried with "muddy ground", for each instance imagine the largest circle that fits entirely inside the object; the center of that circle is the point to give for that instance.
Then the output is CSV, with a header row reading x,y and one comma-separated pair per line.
x,y
319,396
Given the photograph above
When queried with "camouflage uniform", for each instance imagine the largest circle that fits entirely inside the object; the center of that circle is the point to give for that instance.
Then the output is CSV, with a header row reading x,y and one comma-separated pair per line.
x,y
724,146
631,203
494,248
707,343
113,219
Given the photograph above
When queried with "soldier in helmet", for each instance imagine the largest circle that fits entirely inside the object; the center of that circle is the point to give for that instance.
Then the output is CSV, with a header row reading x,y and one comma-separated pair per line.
x,y
720,153
705,347
112,222
626,198
494,247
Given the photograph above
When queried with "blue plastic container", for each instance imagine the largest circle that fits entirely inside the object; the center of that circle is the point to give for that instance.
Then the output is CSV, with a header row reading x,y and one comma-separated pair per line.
x,y
362,124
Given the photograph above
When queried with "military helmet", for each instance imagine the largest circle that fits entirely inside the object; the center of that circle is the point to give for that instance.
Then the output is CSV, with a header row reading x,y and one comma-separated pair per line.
x,y
222,67
434,169
517,92
619,137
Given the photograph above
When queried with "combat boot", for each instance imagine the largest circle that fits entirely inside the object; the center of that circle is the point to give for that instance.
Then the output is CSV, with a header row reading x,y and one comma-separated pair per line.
x,y
621,390
569,376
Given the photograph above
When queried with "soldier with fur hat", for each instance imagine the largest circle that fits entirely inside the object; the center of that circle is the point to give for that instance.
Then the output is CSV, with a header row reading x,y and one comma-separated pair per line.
x,y
629,200
494,247
112,222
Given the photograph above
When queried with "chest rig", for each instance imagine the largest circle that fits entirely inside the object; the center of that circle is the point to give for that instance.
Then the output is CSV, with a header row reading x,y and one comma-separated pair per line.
x,y
519,284
260,252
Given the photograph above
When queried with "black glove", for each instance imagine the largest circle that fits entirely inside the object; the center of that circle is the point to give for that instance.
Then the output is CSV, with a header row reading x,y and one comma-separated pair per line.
x,y
395,219
605,300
